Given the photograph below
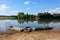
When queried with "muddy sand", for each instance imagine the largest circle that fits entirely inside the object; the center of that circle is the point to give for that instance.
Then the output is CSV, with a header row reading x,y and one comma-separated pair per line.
x,y
35,35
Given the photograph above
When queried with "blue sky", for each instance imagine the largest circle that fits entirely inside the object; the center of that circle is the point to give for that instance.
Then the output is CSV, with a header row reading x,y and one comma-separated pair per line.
x,y
12,7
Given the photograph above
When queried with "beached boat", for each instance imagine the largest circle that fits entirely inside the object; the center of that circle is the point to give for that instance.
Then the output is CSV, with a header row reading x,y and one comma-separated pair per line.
x,y
28,28
16,28
44,28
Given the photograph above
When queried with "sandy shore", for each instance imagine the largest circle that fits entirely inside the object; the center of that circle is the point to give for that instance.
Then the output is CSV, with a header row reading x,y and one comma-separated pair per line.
x,y
35,35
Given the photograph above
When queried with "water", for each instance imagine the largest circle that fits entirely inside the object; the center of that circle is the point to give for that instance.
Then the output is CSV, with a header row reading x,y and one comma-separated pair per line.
x,y
4,24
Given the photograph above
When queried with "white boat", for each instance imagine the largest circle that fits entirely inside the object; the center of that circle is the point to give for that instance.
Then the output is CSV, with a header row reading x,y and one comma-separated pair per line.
x,y
15,28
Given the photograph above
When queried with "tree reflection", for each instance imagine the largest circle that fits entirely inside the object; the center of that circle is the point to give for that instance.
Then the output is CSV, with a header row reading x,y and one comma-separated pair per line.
x,y
24,20
44,21
41,21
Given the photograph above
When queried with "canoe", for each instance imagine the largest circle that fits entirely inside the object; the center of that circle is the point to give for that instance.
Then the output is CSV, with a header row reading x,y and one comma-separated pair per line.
x,y
30,29
43,28
15,28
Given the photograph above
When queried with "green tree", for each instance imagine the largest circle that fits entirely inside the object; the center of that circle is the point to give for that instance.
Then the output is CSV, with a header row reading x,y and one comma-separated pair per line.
x,y
31,16
20,15
45,15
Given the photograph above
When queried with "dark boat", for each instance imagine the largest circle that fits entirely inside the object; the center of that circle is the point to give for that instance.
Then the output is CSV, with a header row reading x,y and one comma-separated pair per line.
x,y
44,28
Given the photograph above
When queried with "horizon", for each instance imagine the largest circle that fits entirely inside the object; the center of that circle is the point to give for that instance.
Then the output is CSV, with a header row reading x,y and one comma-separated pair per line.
x,y
12,7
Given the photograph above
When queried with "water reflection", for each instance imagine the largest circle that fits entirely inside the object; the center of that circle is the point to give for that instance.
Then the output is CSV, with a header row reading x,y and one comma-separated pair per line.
x,y
22,21
55,23
4,24
41,21
44,21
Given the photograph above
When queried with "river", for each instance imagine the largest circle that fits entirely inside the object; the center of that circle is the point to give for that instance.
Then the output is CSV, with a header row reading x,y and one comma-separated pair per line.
x,y
4,24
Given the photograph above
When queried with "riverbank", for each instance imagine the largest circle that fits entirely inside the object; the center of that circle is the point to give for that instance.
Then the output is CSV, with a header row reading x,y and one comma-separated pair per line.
x,y
35,35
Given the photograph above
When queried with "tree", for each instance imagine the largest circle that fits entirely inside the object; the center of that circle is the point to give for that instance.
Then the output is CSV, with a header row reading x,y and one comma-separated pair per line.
x,y
31,16
20,15
45,15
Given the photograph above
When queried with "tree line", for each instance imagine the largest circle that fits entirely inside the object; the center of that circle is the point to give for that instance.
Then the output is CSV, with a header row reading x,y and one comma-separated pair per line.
x,y
21,15
39,15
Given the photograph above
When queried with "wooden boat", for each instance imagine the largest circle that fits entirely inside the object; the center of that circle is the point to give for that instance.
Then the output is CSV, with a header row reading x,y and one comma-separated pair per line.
x,y
16,28
44,28
28,28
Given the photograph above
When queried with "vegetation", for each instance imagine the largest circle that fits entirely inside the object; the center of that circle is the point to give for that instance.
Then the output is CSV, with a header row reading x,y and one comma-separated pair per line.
x,y
21,15
47,15
8,17
56,16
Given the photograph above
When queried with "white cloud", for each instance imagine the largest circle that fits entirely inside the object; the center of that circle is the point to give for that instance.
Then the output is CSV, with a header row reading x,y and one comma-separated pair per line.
x,y
28,8
3,7
56,10
9,12
5,10
14,12
27,2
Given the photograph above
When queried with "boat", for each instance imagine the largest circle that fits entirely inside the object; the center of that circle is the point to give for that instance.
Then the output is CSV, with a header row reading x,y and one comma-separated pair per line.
x,y
30,29
44,28
15,28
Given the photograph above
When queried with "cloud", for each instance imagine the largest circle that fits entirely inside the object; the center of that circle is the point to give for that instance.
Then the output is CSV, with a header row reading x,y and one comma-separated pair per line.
x,y
27,2
28,8
56,10
3,7
14,12
5,10
10,12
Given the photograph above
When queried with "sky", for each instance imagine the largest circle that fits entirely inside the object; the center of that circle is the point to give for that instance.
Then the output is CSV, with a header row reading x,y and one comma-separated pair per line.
x,y
13,7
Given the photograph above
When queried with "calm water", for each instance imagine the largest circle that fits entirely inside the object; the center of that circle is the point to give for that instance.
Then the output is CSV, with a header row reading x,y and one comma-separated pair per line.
x,y
4,24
